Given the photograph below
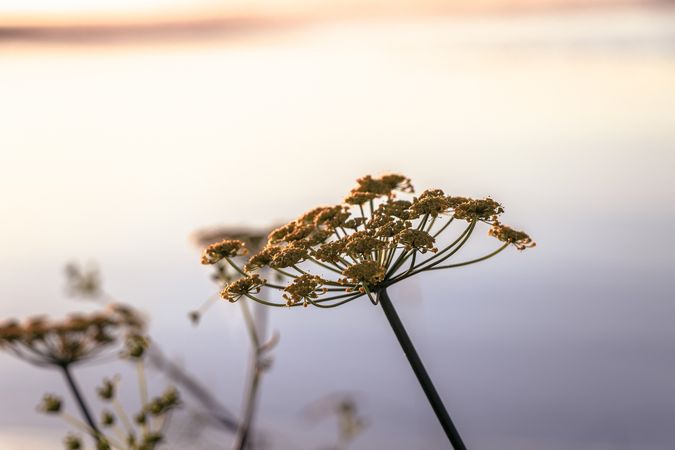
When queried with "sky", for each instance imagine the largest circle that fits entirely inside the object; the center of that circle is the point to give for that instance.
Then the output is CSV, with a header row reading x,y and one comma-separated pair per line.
x,y
65,12
117,153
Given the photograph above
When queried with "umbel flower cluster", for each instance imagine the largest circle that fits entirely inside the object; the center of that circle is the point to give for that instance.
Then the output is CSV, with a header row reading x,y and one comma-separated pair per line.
x,y
77,338
381,234
144,430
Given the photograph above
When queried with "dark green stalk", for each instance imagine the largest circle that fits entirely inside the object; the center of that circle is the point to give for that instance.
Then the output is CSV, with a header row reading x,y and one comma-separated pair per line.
x,y
79,399
420,372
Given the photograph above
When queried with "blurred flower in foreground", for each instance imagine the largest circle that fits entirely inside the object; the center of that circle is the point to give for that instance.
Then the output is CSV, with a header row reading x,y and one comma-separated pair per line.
x,y
77,338
84,282
345,409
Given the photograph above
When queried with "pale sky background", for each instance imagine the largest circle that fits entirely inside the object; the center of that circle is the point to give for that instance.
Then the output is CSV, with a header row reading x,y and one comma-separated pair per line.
x,y
117,153
62,12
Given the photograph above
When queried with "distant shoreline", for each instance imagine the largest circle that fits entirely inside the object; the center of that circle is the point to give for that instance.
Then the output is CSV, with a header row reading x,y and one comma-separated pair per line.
x,y
144,28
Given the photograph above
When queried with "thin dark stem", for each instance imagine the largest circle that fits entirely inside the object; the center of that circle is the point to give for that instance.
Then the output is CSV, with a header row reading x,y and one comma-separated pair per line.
x,y
420,372
84,410
257,332
243,436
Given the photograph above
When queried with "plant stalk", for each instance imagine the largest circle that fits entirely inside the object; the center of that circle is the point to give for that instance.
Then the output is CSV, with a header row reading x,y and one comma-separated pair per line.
x,y
84,409
420,372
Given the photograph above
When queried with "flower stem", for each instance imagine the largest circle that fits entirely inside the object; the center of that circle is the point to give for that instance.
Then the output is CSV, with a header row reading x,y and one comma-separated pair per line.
x,y
420,372
256,330
84,410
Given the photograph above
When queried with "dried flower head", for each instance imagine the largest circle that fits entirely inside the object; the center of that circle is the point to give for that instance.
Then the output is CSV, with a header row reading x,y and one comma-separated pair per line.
x,y
83,282
332,255
166,402
367,274
77,338
304,289
107,418
227,248
106,391
416,240
135,346
51,404
486,209
72,442
431,202
506,234
253,238
244,286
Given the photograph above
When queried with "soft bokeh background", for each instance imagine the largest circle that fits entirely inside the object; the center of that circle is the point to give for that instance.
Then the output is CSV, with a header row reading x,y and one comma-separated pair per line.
x,y
123,128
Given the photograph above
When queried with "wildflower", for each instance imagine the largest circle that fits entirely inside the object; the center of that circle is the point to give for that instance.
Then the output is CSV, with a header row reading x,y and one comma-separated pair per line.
x,y
486,209
107,418
84,283
304,288
135,346
164,403
506,234
150,441
72,442
431,202
263,258
227,248
383,185
76,338
51,404
289,256
330,252
363,244
332,216
387,240
394,208
252,238
392,228
368,273
416,240
380,236
359,198
243,286
106,391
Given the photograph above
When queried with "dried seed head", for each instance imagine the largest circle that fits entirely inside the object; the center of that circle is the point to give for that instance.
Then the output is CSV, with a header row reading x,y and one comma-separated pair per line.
x,y
432,202
486,209
289,256
362,244
106,391
262,259
247,285
76,338
107,418
51,404
164,403
368,250
72,442
369,273
506,234
135,346
416,240
228,248
304,288
330,252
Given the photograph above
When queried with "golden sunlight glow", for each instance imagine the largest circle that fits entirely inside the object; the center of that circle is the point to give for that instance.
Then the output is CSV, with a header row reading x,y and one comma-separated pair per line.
x,y
64,12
